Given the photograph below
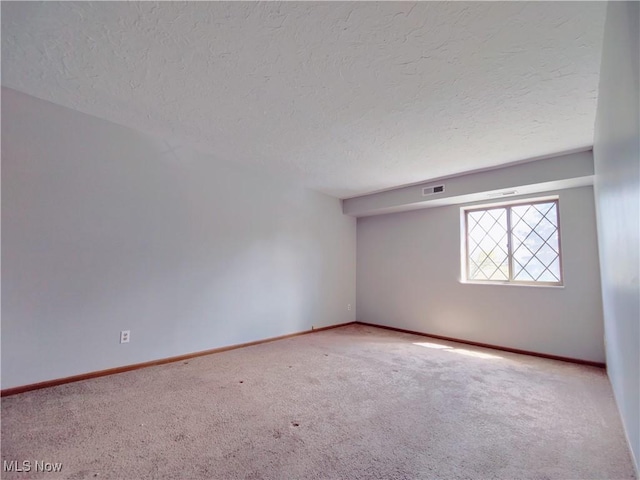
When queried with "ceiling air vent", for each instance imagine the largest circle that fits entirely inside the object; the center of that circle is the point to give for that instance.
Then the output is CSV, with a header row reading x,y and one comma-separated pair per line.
x,y
432,190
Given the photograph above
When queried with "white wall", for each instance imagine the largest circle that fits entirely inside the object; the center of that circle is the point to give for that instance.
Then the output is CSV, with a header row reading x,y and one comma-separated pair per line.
x,y
617,179
104,230
408,272
538,176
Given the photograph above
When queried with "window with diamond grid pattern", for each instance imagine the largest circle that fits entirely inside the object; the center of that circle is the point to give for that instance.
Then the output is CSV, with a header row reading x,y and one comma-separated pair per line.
x,y
518,243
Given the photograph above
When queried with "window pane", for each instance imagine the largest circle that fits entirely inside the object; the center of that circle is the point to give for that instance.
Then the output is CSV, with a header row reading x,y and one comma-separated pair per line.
x,y
487,248
534,240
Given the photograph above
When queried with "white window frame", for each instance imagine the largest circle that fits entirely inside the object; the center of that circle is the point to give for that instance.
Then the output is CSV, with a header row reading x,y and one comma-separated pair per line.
x,y
507,205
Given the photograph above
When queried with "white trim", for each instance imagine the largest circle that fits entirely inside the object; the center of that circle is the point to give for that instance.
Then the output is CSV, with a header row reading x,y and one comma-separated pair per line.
x,y
464,242
511,201
510,284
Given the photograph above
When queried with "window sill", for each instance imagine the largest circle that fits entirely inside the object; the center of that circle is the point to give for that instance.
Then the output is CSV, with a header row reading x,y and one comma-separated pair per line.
x,y
508,284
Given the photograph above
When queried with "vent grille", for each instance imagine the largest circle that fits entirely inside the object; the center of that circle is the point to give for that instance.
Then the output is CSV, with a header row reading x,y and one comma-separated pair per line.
x,y
432,190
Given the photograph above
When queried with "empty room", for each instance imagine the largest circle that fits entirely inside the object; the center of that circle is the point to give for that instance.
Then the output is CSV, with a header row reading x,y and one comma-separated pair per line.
x,y
320,240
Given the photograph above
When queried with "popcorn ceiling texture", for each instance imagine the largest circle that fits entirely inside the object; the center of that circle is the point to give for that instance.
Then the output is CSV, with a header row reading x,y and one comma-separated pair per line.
x,y
346,98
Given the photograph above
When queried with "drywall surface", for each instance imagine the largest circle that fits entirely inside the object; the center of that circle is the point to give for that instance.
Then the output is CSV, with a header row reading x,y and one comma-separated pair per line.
x,y
408,276
617,191
106,229
562,171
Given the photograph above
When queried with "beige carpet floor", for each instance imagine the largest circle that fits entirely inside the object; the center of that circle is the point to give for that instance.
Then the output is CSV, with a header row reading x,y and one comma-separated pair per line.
x,y
355,402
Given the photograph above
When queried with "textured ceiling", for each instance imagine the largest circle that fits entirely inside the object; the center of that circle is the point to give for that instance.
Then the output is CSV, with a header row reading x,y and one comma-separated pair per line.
x,y
346,98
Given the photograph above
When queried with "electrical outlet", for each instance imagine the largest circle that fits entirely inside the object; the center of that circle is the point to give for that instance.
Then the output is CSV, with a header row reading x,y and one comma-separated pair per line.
x,y
349,307
124,336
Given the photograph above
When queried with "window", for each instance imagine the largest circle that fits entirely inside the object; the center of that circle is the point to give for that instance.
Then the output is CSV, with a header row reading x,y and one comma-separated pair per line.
x,y
516,243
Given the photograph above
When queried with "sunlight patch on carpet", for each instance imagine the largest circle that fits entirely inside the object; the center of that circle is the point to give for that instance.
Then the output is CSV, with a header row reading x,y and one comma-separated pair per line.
x,y
461,351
